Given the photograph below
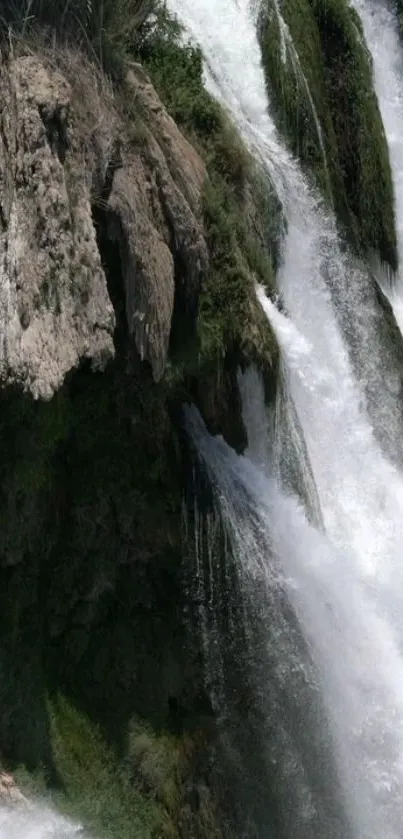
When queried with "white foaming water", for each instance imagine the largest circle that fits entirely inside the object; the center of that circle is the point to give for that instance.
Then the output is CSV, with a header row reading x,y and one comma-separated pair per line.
x,y
36,821
361,494
353,645
348,592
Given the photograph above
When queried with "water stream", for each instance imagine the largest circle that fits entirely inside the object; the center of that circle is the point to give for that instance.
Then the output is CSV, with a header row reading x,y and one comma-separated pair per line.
x,y
354,646
36,821
345,584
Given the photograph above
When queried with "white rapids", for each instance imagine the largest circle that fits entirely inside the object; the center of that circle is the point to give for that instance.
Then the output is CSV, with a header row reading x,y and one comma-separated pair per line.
x,y
37,821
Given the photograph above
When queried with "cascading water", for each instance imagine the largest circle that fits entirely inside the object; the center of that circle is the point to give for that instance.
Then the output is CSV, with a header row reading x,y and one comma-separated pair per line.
x,y
382,37
312,251
260,673
36,821
346,584
276,442
358,657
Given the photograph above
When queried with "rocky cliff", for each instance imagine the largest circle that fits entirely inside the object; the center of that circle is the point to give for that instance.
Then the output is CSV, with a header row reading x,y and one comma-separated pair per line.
x,y
319,77
64,155
129,257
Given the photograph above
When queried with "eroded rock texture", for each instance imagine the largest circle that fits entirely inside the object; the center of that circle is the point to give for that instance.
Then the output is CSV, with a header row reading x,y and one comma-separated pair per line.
x,y
65,150
54,303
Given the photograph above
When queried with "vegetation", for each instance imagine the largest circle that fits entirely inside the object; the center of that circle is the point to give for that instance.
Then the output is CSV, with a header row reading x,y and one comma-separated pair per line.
x,y
109,30
323,77
398,4
85,764
143,797
242,233
92,603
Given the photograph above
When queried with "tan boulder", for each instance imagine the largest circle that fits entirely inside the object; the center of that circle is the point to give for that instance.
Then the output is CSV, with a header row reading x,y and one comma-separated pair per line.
x,y
9,792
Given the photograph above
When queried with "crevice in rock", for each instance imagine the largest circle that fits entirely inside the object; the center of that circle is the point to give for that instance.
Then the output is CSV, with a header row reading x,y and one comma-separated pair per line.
x,y
185,312
104,220
111,262
56,133
186,298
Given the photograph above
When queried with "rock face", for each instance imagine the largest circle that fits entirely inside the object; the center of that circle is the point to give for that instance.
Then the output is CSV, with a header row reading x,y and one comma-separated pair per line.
x,y
154,213
54,303
65,149
9,792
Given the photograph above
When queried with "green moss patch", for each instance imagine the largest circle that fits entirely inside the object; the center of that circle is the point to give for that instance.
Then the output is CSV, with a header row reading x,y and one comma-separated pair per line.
x,y
318,70
241,214
99,792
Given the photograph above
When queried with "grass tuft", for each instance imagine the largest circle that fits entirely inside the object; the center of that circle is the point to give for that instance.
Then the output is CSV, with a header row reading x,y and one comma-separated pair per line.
x,y
109,30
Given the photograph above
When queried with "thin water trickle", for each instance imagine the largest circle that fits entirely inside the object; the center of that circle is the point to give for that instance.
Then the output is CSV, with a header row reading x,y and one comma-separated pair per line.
x,y
380,26
383,40
290,55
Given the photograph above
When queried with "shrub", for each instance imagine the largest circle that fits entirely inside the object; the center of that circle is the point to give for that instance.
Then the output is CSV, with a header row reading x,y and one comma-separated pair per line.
x,y
109,29
98,789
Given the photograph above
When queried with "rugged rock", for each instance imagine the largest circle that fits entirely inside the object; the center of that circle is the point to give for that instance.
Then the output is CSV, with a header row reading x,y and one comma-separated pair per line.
x,y
154,212
185,165
322,95
94,482
9,792
64,150
54,304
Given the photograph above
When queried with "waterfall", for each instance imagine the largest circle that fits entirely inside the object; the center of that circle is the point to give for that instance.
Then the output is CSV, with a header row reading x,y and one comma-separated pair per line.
x,y
289,54
315,266
276,443
381,34
360,491
357,654
275,739
36,821
345,382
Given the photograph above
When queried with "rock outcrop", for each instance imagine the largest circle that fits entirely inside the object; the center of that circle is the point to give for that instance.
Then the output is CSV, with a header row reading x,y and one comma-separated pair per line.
x,y
54,303
65,150
108,232
154,213
9,792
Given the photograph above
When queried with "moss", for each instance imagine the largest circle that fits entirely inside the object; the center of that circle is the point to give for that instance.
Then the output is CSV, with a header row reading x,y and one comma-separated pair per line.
x,y
229,316
98,790
242,232
292,72
398,4
147,795
110,798
353,168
